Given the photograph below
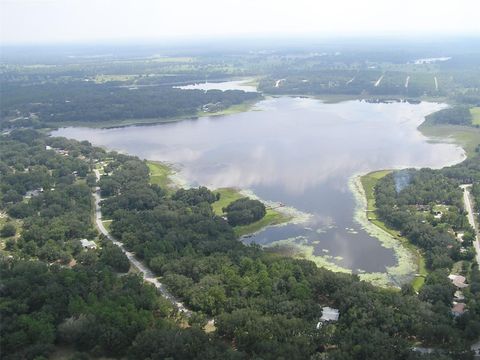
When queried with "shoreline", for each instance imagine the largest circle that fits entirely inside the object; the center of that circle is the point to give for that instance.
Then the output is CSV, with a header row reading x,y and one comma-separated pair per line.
x,y
393,275
113,124
167,176
246,106
402,271
405,252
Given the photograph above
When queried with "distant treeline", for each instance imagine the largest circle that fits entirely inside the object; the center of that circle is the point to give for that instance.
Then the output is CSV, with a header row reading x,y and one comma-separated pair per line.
x,y
458,115
88,102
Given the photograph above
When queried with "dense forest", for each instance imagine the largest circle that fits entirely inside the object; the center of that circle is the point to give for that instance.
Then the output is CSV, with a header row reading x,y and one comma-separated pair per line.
x,y
458,115
426,206
57,293
80,101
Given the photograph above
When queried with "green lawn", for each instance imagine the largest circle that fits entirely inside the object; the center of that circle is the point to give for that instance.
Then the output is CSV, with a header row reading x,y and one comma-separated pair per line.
x,y
107,224
475,111
272,217
160,174
368,182
228,195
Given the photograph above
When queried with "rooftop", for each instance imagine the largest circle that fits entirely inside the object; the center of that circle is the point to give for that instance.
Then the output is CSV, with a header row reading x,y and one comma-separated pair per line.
x,y
329,314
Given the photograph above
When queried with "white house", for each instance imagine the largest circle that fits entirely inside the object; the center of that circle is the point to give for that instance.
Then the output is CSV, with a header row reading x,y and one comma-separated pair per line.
x,y
328,315
88,244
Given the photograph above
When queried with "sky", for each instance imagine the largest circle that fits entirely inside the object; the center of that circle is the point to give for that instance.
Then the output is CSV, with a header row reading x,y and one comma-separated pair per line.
x,y
54,21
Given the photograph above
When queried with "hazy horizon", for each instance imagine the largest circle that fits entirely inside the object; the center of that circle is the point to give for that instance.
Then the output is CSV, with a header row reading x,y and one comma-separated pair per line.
x,y
30,22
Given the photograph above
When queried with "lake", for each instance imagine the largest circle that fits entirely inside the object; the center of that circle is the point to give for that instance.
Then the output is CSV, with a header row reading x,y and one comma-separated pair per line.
x,y
224,85
302,153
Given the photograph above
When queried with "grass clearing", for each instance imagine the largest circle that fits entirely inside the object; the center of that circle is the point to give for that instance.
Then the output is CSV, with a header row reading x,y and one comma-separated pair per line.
x,y
368,182
107,224
272,217
229,195
475,111
160,174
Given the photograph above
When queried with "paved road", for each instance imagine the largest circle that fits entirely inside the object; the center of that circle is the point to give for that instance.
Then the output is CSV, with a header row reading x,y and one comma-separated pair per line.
x,y
147,273
467,199
379,81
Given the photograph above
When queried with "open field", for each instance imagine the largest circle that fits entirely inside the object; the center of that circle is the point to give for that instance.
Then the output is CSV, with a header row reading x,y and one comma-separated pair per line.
x,y
227,196
475,111
160,174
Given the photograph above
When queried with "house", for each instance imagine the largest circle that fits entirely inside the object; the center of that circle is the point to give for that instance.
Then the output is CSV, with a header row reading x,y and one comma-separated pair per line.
x,y
328,315
459,236
458,296
458,309
32,193
88,244
458,281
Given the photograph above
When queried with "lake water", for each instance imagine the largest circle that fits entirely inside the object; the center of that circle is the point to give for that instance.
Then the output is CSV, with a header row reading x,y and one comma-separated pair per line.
x,y
299,152
224,86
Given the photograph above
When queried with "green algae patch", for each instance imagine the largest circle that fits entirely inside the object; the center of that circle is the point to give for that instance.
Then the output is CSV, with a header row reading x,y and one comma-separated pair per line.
x,y
300,248
409,259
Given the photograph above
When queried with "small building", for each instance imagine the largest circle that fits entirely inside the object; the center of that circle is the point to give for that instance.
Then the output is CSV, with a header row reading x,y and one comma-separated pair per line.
x,y
458,296
458,281
88,244
32,193
458,309
328,315
48,147
459,236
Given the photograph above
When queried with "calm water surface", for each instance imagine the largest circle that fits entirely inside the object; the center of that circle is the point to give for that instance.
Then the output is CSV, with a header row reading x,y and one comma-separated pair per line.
x,y
225,85
299,152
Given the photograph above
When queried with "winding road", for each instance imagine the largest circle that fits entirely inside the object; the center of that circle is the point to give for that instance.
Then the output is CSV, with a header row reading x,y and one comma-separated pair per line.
x,y
148,275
